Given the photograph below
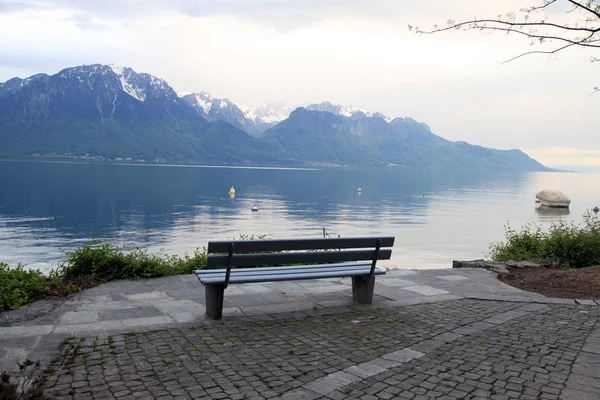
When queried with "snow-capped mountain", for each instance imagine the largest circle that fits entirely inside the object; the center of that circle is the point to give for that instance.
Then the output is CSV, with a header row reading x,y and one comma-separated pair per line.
x,y
137,85
95,92
267,114
258,119
113,112
345,111
215,109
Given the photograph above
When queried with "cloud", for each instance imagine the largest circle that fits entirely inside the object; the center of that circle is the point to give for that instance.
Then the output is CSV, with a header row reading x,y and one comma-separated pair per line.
x,y
356,52
268,12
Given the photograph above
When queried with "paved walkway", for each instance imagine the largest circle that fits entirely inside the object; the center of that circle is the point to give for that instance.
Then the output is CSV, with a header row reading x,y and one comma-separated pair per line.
x,y
429,334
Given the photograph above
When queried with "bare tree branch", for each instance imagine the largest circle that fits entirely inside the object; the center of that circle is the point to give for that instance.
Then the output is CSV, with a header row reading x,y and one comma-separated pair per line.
x,y
468,24
587,8
542,26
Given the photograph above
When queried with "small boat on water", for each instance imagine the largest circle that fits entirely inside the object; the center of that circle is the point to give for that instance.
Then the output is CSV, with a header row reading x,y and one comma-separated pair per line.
x,y
254,208
553,198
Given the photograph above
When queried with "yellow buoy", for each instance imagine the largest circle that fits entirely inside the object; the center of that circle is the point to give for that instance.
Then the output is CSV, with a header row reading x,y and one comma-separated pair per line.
x,y
232,191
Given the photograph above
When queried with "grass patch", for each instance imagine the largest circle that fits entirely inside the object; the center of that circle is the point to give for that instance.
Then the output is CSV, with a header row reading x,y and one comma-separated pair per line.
x,y
568,244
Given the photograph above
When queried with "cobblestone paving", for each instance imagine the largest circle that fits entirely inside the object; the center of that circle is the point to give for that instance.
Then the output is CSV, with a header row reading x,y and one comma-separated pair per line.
x,y
527,358
458,349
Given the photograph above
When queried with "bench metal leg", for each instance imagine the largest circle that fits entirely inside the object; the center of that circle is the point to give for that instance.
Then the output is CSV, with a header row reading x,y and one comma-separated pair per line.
x,y
214,300
363,288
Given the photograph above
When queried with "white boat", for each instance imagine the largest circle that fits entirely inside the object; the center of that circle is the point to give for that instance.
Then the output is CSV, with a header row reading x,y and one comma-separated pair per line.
x,y
553,198
254,208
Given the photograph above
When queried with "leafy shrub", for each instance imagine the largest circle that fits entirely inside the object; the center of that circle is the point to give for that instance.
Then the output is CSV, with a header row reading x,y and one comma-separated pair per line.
x,y
19,286
106,262
570,245
90,265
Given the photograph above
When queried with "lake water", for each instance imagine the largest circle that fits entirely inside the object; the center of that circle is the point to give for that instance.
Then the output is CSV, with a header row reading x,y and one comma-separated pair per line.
x,y
436,217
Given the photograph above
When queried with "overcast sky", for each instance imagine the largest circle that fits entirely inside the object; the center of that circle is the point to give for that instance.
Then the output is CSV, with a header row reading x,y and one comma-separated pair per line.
x,y
350,52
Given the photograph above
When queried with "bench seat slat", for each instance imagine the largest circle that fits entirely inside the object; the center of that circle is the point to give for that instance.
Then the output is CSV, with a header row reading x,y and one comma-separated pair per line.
x,y
288,277
207,272
288,271
241,260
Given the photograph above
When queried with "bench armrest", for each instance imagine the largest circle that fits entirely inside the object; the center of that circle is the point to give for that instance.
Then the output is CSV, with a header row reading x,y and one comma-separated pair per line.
x,y
375,256
228,272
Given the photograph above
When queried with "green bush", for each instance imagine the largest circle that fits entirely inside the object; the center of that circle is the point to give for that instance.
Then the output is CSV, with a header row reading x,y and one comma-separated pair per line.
x,y
570,245
90,265
106,262
19,286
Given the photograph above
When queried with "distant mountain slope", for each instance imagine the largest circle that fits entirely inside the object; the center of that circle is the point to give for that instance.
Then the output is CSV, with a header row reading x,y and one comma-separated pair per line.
x,y
267,114
115,112
109,111
215,109
311,135
349,111
319,137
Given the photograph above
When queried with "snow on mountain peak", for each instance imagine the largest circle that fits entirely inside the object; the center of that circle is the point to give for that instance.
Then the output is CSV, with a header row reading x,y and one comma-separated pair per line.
x,y
268,112
204,102
125,76
117,69
345,111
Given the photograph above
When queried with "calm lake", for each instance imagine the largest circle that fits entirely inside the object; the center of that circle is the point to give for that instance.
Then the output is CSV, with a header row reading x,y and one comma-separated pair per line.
x,y
435,216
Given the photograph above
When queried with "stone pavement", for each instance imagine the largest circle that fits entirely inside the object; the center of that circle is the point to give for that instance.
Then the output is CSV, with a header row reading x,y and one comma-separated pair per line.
x,y
429,334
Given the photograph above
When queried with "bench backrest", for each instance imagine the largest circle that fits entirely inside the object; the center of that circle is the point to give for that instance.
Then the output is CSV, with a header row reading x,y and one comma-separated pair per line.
x,y
251,253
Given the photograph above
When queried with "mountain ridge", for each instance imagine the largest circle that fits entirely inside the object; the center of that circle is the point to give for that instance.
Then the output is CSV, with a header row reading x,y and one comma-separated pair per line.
x,y
111,111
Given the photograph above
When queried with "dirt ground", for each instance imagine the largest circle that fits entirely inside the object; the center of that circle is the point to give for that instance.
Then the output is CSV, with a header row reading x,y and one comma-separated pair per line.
x,y
583,283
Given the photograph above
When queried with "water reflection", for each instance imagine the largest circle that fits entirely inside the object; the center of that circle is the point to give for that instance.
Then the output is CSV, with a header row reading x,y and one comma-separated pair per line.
x,y
551,213
435,216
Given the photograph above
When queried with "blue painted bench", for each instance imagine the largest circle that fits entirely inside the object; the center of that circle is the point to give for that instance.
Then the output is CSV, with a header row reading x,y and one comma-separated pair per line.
x,y
255,261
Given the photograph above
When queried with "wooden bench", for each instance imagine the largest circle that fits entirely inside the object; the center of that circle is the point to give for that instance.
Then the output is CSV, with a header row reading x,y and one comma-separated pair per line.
x,y
244,261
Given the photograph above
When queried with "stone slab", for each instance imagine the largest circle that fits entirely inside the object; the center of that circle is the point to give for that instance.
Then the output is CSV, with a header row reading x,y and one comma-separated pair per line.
x,y
109,305
344,378
426,290
586,302
90,328
79,317
148,296
403,355
475,327
395,282
23,331
398,272
138,312
186,293
533,307
505,317
447,337
300,394
323,386
428,346
278,308
584,383
147,322
453,278
326,289
365,370
574,394
256,289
